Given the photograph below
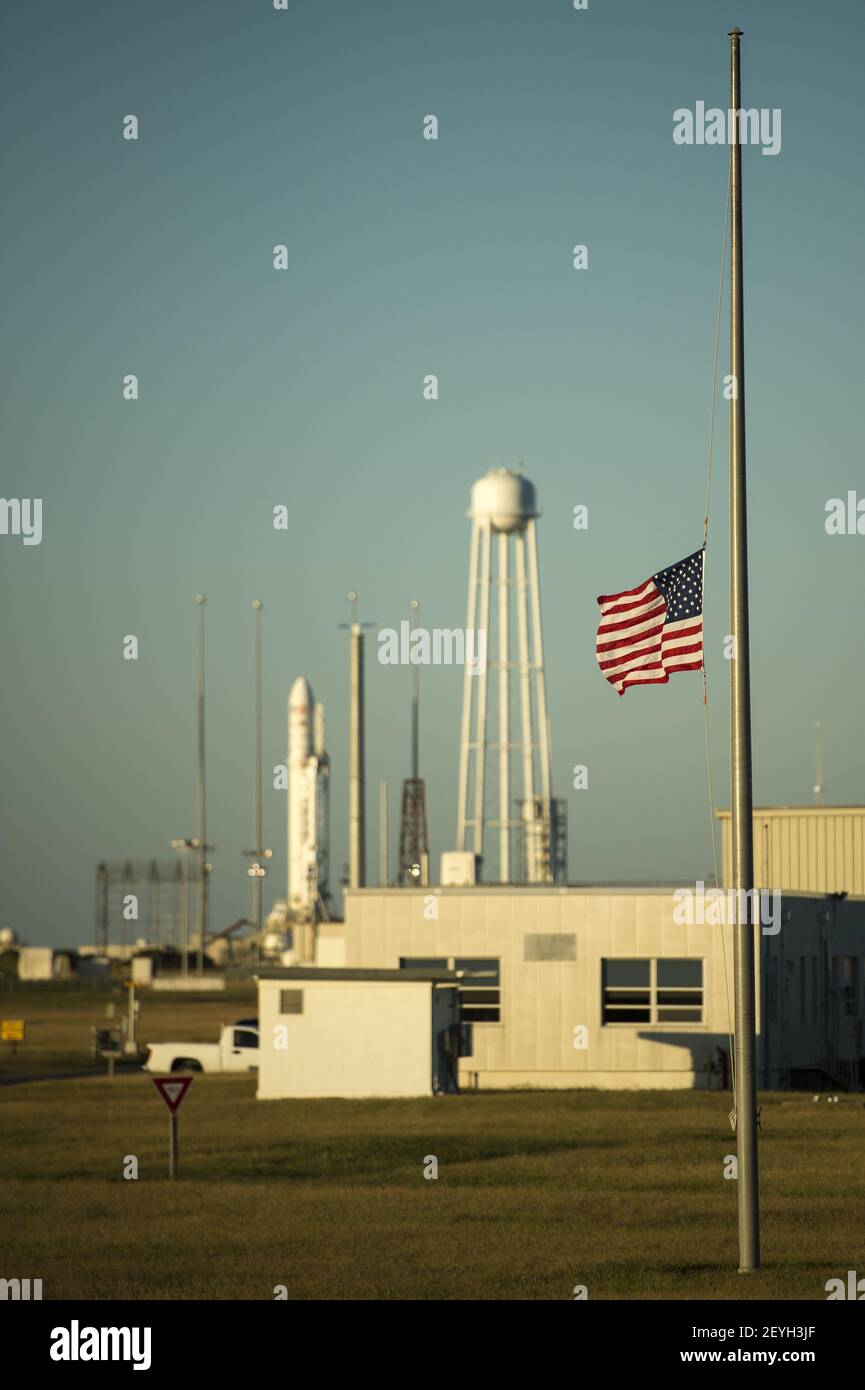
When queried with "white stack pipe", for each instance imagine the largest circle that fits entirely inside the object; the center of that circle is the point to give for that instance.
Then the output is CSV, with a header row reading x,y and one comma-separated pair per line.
x,y
356,772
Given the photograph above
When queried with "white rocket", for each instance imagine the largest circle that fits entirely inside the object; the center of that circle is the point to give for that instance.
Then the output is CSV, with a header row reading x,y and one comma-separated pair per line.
x,y
308,810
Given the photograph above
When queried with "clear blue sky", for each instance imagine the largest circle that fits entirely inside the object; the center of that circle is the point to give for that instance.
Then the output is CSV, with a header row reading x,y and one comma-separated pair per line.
x,y
304,388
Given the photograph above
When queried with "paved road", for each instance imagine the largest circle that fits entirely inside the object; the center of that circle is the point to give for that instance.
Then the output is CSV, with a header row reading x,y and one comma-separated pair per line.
x,y
19,1078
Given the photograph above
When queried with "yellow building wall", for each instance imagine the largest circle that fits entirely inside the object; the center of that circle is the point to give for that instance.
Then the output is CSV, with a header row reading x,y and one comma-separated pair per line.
x,y
807,849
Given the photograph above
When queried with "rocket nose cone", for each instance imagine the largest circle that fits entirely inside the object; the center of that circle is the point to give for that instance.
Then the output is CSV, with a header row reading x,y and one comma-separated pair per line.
x,y
300,694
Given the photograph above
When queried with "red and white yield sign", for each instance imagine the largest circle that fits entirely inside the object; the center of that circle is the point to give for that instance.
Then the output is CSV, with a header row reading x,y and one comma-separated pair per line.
x,y
172,1089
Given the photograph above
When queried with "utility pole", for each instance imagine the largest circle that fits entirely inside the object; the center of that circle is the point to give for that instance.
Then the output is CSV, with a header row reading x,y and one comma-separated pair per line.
x,y
257,869
413,862
357,773
356,749
185,845
256,810
740,727
383,865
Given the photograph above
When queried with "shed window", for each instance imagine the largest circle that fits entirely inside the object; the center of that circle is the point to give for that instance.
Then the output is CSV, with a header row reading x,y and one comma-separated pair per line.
x,y
291,1001
480,994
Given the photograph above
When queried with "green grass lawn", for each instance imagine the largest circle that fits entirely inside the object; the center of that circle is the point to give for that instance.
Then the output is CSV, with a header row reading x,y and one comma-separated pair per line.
x,y
537,1192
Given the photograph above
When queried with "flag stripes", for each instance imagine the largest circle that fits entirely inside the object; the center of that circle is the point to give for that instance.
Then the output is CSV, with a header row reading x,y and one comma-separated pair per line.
x,y
649,632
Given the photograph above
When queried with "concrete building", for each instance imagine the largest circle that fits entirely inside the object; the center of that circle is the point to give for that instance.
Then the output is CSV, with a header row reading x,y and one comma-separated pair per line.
x,y
616,988
357,1032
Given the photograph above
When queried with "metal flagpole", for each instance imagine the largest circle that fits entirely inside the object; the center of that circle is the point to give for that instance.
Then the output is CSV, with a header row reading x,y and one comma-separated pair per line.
x,y
740,726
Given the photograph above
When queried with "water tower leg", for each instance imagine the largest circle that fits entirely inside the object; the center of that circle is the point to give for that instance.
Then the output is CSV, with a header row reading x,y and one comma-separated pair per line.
x,y
525,705
468,694
504,714
481,678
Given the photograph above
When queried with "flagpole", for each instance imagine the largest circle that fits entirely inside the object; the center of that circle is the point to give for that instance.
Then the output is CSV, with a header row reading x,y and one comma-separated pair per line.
x,y
740,727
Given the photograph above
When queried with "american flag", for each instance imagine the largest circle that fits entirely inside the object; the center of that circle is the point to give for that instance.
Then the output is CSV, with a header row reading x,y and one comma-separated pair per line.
x,y
648,632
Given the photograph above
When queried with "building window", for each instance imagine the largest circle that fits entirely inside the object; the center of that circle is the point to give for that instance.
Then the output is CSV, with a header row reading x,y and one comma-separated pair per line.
x,y
627,991
679,992
291,1001
652,991
480,995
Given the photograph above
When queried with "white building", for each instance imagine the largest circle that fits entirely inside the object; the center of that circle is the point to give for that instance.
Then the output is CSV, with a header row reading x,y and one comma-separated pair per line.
x,y
357,1032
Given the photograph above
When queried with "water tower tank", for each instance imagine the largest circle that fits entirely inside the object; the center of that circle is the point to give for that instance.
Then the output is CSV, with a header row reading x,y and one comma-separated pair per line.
x,y
503,498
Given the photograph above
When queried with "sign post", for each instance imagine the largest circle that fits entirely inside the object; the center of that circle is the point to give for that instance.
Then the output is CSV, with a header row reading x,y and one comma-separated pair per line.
x,y
12,1030
173,1091
105,1043
130,1042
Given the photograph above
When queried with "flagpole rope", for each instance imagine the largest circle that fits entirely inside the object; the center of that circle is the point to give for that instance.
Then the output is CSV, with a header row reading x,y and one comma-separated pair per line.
x,y
715,352
713,395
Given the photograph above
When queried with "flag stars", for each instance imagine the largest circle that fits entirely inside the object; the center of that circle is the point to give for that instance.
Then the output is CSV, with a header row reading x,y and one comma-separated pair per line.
x,y
631,651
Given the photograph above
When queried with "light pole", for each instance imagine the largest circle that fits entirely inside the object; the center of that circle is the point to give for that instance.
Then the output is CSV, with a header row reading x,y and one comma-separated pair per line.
x,y
201,831
184,845
356,745
257,870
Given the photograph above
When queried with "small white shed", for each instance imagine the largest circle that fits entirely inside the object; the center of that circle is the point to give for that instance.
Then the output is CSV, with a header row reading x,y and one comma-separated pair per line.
x,y
338,1032
35,963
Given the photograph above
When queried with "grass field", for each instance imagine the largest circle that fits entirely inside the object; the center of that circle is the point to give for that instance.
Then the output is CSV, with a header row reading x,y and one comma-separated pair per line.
x,y
536,1192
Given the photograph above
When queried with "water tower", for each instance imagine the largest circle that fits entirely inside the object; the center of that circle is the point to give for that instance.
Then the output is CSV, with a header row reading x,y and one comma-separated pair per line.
x,y
503,567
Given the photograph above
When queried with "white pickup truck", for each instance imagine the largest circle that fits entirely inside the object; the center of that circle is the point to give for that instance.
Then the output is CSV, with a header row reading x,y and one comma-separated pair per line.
x,y
237,1050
